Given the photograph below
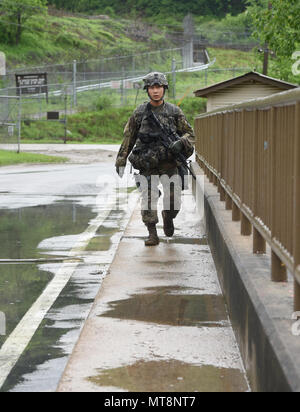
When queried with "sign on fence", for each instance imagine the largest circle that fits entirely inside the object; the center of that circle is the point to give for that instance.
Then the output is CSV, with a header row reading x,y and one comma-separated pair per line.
x,y
31,83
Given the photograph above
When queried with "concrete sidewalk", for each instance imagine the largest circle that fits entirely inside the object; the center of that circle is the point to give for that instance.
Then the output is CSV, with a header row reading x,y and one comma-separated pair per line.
x,y
159,322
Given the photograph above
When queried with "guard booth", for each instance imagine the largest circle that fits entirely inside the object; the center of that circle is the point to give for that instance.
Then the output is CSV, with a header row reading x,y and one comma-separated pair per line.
x,y
249,86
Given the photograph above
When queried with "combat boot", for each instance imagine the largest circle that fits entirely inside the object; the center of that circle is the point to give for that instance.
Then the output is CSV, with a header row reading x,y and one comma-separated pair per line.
x,y
168,223
153,239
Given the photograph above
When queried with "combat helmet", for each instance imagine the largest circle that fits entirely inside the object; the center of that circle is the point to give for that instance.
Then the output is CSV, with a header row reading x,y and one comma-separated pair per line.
x,y
155,78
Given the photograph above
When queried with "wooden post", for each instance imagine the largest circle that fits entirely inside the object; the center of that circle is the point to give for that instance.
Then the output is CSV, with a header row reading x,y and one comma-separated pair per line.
x,y
215,180
246,227
228,201
259,243
297,295
222,193
279,272
236,213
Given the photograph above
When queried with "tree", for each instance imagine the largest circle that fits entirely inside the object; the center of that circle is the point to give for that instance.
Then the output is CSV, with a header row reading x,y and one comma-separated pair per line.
x,y
15,14
276,23
156,7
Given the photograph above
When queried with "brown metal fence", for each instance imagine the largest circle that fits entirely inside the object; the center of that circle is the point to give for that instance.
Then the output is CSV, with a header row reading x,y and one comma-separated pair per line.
x,y
252,153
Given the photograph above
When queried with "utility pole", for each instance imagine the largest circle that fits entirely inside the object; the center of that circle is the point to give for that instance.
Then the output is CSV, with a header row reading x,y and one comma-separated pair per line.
x,y
19,121
75,83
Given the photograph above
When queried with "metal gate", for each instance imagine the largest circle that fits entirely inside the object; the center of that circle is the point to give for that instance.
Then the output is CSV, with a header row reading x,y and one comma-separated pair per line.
x,y
10,123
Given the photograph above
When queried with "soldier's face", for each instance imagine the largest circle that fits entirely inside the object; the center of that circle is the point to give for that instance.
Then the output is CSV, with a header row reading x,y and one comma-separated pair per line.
x,y
156,93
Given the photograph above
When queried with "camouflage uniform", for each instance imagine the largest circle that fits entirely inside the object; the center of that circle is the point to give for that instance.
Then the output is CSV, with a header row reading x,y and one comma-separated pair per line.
x,y
154,159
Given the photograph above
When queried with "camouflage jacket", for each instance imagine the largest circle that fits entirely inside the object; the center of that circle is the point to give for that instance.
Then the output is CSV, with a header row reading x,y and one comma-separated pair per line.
x,y
169,115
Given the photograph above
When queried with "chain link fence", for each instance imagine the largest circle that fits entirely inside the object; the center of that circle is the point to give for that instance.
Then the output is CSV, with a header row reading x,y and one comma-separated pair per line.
x,y
86,86
10,123
104,69
63,100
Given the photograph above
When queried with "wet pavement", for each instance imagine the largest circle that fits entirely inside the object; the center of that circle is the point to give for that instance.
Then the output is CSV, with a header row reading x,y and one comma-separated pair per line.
x,y
60,227
154,319
159,322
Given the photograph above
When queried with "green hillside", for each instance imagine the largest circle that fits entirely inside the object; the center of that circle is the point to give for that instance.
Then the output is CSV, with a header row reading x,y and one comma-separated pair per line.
x,y
51,39
154,8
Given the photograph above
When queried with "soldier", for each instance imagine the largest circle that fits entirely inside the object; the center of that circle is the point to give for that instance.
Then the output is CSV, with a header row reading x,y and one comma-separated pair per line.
x,y
143,146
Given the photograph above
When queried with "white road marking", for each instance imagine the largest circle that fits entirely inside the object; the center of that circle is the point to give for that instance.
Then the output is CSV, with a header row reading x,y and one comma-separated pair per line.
x,y
18,340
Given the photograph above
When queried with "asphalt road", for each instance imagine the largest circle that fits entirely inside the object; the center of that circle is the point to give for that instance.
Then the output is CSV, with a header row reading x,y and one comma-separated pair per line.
x,y
59,229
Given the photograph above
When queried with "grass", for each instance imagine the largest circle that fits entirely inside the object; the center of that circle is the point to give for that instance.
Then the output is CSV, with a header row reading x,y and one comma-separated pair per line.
x,y
13,158
104,126
51,40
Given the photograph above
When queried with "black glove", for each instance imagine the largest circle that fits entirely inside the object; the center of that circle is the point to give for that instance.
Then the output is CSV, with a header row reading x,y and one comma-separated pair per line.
x,y
176,147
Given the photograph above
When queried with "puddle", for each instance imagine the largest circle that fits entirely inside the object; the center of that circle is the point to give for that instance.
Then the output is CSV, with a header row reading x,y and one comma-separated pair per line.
x,y
171,376
20,286
186,241
102,243
44,360
103,239
42,363
22,230
160,306
177,240
40,349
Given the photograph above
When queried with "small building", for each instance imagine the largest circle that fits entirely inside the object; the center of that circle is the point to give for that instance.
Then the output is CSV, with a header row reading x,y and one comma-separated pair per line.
x,y
240,89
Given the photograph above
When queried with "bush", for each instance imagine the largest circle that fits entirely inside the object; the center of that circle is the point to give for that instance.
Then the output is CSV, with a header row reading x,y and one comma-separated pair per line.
x,y
192,107
109,11
104,102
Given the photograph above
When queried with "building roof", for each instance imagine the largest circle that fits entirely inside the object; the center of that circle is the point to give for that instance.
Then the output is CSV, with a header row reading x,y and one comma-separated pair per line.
x,y
245,78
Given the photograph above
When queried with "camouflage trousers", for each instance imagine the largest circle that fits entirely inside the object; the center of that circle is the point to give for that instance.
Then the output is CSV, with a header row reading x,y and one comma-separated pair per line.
x,y
172,188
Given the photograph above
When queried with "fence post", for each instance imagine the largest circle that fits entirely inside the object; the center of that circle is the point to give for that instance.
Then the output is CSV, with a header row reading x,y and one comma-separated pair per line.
x,y
236,213
259,243
296,240
122,85
278,269
75,83
174,77
246,227
19,121
228,200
